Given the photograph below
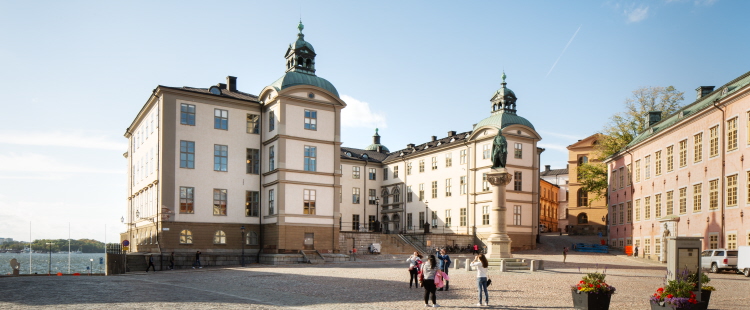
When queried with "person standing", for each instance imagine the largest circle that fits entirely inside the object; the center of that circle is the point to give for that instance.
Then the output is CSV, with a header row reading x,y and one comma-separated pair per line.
x,y
635,253
565,254
481,263
197,260
429,269
171,261
415,260
151,263
444,262
476,249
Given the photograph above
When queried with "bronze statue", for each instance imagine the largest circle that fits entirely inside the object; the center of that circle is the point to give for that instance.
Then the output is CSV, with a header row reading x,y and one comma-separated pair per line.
x,y
499,151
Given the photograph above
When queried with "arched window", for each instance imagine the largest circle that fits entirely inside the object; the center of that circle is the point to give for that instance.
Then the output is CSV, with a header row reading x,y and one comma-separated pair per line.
x,y
186,237
308,63
583,218
220,237
300,62
251,238
396,195
583,198
384,194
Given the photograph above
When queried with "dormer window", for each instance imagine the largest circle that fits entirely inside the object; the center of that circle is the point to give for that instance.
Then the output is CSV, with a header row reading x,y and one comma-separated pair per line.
x,y
724,91
453,139
349,154
365,156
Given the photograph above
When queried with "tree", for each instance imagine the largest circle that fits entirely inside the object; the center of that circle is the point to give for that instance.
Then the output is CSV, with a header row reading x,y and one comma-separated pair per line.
x,y
593,179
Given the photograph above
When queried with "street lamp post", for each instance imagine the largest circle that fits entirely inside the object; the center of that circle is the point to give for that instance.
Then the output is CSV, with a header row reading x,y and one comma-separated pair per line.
x,y
49,263
91,266
426,220
242,259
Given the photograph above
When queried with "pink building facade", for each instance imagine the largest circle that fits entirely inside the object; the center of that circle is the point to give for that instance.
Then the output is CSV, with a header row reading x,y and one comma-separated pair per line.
x,y
685,176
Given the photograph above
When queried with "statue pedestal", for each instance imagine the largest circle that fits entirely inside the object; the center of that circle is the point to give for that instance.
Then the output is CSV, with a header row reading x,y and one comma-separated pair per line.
x,y
498,244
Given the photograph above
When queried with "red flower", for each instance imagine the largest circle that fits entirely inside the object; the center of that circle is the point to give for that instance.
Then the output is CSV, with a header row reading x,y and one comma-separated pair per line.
x,y
598,286
669,296
591,285
581,282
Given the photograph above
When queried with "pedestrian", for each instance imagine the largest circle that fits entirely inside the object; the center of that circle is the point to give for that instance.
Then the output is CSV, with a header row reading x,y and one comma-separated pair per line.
x,y
565,254
171,261
429,269
481,263
197,260
151,263
444,261
476,249
415,260
635,253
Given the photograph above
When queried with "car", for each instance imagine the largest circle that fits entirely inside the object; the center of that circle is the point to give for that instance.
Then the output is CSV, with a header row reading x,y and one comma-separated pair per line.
x,y
743,260
719,260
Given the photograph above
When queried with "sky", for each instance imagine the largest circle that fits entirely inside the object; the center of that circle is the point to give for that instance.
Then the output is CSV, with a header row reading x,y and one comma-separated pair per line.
x,y
74,74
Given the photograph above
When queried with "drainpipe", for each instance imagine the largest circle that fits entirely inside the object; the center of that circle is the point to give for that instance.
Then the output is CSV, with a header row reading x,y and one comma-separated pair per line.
x,y
406,190
722,151
474,208
364,204
260,184
632,190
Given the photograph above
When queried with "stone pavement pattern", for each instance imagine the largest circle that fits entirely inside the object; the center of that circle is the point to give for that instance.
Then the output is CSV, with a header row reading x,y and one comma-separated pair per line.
x,y
366,284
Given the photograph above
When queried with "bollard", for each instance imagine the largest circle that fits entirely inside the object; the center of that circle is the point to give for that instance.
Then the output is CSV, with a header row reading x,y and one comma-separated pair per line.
x,y
468,267
503,266
456,266
533,265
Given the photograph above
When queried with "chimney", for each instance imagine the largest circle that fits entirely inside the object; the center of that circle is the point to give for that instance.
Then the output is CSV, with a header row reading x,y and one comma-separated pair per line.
x,y
451,133
434,138
380,149
232,83
222,85
410,146
703,90
546,167
653,117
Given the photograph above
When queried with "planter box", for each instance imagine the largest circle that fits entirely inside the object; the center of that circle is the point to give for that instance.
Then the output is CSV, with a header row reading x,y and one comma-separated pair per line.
x,y
586,301
703,305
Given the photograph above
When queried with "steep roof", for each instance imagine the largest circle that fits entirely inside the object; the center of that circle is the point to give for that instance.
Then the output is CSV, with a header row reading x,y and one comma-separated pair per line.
x,y
502,120
445,142
357,154
224,92
552,172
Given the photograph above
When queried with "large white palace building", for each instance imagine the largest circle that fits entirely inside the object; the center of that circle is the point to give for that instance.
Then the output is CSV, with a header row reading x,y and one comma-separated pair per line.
x,y
217,169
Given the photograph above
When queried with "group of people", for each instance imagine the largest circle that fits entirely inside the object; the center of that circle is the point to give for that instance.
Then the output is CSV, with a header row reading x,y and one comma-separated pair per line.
x,y
150,261
459,249
431,274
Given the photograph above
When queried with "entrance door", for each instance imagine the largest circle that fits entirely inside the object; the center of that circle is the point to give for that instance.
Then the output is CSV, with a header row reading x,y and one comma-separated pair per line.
x,y
309,242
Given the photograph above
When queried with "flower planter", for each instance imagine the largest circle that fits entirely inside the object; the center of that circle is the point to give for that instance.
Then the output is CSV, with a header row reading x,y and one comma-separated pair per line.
x,y
702,305
587,301
705,296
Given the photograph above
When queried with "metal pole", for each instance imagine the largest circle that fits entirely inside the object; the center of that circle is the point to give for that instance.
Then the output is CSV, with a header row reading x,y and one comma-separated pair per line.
x,y
68,247
242,241
49,263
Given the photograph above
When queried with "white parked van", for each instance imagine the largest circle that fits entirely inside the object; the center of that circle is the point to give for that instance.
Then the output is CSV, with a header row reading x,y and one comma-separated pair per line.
x,y
743,260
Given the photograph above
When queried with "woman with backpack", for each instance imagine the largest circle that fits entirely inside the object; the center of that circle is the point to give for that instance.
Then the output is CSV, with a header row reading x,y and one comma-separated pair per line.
x,y
414,263
481,263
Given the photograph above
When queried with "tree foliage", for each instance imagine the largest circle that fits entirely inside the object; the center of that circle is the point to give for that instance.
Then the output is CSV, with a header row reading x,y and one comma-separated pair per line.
x,y
593,179
85,245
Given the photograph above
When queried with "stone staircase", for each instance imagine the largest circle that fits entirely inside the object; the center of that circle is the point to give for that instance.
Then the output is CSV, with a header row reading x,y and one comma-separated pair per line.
x,y
396,244
414,243
517,264
313,256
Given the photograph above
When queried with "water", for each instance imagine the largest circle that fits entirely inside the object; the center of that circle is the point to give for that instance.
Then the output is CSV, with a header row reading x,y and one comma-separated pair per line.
x,y
39,263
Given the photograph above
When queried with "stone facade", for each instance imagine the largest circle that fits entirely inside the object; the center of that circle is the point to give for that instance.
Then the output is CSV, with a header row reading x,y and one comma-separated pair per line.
x,y
585,217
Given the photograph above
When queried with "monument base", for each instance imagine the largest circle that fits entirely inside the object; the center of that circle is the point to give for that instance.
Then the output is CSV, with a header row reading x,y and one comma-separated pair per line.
x,y
499,248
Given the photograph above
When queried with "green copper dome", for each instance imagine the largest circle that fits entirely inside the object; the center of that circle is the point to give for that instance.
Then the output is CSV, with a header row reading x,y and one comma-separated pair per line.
x,y
502,120
293,78
376,143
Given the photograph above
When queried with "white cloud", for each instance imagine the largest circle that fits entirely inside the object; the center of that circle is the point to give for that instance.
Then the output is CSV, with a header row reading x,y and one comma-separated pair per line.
x,y
57,138
358,114
705,2
637,14
32,165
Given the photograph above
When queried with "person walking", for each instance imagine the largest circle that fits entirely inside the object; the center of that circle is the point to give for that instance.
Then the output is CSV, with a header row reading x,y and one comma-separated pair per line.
x,y
151,263
197,260
429,269
565,254
476,249
171,261
481,263
635,253
444,262
415,260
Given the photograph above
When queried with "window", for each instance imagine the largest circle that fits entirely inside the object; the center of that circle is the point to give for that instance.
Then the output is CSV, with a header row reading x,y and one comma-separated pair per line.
x,y
372,195
221,119
647,167
657,246
713,194
434,189
448,218
371,175
448,188
647,246
253,123
463,218
186,200
408,194
657,162
310,158
622,177
683,153
683,200
187,154
409,221
253,161
221,152
714,141
462,181
308,195
186,237
657,205
449,159
434,163
697,189
462,155
271,121
732,134
220,201
518,150
311,120
713,241
630,211
421,165
485,183
638,170
485,215
670,205
408,168
371,221
486,151
732,190
698,147
670,158
355,221
637,210
517,181
355,195
252,203
731,241
187,115
583,198
271,157
220,237
395,172
422,220
421,192
385,174
629,175
271,199
251,238
517,215
622,213
434,219
613,180
355,172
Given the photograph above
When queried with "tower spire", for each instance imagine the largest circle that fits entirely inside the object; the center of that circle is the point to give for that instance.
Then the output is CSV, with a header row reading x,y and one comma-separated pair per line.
x,y
300,57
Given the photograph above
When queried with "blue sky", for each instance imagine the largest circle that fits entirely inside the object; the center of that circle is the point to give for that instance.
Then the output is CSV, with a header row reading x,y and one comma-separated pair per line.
x,y
73,75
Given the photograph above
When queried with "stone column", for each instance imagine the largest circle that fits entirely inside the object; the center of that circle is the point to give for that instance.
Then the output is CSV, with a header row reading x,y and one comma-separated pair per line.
x,y
498,243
